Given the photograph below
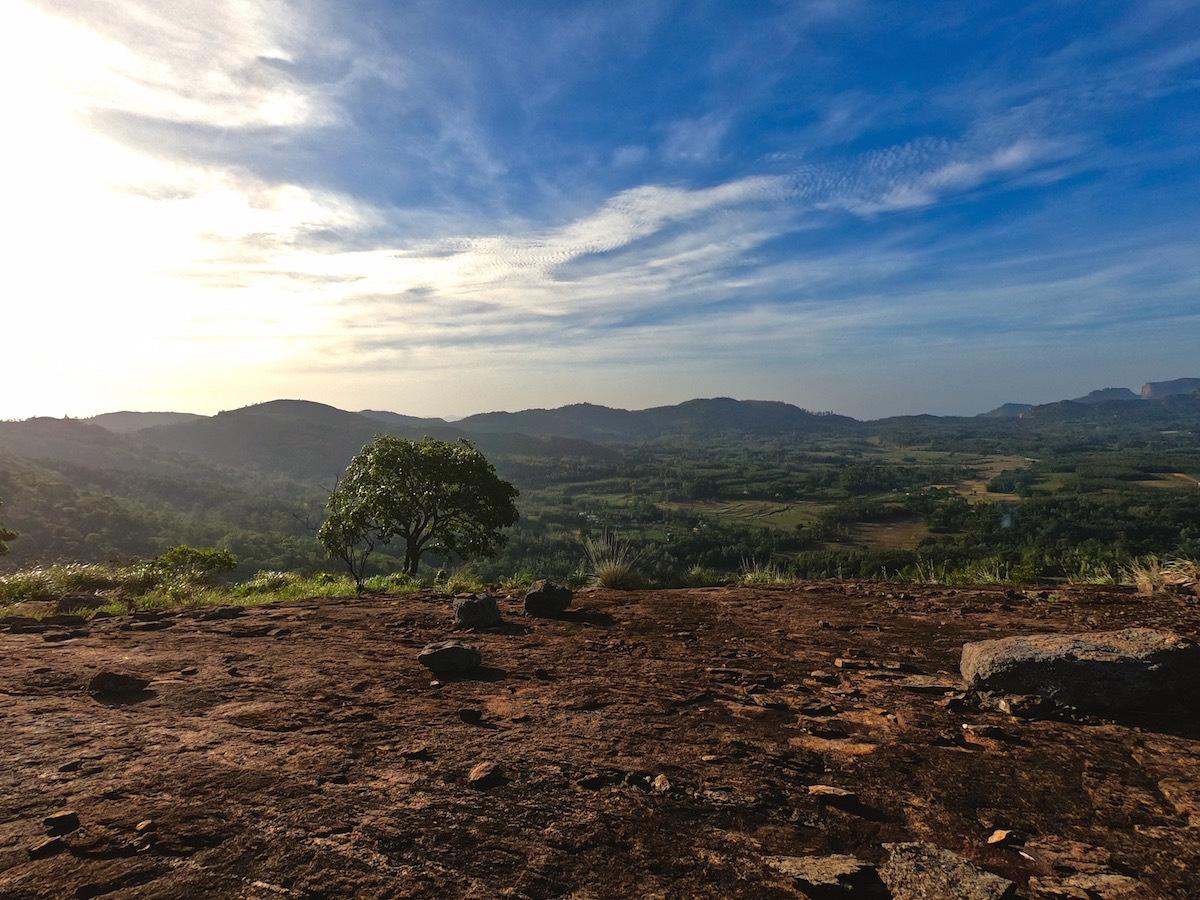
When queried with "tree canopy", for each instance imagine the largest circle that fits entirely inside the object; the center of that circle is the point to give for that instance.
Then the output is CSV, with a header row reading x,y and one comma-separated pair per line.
x,y
434,496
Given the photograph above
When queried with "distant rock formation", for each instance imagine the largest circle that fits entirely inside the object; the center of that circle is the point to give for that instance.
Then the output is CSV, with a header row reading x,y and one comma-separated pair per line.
x,y
1156,390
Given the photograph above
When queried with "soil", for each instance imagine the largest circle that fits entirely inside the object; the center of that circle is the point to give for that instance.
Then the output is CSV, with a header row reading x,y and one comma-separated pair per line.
x,y
651,744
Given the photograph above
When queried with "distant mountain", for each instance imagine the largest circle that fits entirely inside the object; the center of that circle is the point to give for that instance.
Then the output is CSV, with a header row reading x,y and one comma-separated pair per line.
x,y
1156,390
697,418
126,422
1107,395
1007,411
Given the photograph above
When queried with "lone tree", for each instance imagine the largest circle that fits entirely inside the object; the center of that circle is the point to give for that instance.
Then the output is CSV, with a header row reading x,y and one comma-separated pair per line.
x,y
433,495
6,535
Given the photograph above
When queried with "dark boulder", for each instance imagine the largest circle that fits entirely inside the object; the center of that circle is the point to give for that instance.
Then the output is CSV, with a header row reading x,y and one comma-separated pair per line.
x,y
476,611
450,657
547,598
116,684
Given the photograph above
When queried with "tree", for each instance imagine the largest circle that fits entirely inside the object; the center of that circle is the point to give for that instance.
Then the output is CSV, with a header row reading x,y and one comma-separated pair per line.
x,y
433,495
6,535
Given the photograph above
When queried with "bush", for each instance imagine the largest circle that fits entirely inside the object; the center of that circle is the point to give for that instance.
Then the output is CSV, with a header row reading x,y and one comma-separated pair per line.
x,y
266,583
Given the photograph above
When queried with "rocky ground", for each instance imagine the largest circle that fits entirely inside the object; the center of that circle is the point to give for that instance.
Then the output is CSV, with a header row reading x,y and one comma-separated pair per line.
x,y
667,743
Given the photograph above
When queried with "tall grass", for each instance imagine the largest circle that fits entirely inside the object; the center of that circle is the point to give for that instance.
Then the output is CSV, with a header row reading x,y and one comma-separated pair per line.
x,y
612,562
1152,575
754,573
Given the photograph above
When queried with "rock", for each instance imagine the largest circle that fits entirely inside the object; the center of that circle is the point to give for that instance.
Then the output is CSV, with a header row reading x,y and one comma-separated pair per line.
x,y
116,684
221,612
47,847
661,784
829,876
1002,836
547,598
1103,672
828,793
1103,886
62,822
145,826
485,774
919,871
450,657
476,611
471,716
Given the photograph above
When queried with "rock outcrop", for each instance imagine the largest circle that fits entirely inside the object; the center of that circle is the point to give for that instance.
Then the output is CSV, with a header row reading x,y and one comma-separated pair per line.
x,y
1156,390
918,871
1106,672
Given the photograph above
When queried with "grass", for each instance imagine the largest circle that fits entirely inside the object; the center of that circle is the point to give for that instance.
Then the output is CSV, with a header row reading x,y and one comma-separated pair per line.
x,y
754,573
1152,575
613,562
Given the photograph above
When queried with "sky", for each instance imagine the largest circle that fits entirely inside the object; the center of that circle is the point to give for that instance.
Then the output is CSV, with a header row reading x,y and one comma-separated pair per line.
x,y
448,207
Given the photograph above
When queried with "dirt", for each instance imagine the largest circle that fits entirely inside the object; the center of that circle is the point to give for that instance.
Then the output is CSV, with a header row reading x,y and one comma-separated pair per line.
x,y
653,744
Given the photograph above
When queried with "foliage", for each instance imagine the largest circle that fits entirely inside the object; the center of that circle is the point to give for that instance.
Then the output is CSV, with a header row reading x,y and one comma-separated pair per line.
x,y
7,535
436,497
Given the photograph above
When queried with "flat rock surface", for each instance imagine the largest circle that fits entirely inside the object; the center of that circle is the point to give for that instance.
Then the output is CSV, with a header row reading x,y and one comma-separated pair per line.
x,y
302,751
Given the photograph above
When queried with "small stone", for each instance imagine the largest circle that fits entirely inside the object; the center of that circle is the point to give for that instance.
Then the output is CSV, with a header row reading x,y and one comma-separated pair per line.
x,y
476,611
420,751
189,670
145,826
1002,836
827,793
62,822
920,871
661,784
449,657
47,847
484,775
547,598
116,684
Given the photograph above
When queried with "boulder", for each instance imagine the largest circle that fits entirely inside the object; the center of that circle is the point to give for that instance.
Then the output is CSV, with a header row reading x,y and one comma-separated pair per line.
x,y
547,598
919,871
476,611
829,876
1102,672
116,684
450,657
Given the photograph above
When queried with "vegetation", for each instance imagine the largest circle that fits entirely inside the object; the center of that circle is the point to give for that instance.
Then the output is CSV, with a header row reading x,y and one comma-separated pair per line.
x,y
436,497
6,535
1071,494
612,562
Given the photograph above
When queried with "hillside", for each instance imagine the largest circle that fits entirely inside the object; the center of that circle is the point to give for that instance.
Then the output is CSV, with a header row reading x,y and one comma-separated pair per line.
x,y
705,743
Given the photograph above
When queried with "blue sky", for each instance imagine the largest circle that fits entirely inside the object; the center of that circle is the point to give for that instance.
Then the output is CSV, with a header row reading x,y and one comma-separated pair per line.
x,y
442,207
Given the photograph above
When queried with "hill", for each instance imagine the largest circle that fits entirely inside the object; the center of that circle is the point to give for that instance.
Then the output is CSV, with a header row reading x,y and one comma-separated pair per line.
x,y
1007,411
126,422
1107,395
693,418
